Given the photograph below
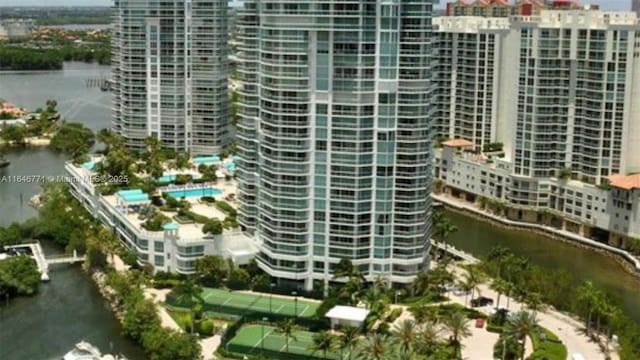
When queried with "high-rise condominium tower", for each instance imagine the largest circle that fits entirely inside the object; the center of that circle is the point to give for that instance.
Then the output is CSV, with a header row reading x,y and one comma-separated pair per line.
x,y
575,107
468,58
635,6
170,73
335,136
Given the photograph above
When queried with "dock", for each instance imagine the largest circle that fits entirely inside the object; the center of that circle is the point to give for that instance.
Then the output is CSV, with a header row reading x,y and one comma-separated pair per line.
x,y
457,253
43,262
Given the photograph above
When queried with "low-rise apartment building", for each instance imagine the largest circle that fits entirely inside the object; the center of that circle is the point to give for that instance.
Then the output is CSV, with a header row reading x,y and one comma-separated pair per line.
x,y
608,213
176,247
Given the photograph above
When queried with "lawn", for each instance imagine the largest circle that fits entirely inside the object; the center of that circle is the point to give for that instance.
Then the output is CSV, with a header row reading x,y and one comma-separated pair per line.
x,y
256,339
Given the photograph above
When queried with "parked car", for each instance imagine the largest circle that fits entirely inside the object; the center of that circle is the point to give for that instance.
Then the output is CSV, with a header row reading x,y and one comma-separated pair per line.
x,y
481,301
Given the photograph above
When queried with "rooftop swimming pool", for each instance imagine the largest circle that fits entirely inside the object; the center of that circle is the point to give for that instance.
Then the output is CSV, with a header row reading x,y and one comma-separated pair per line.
x,y
133,195
189,193
167,178
207,160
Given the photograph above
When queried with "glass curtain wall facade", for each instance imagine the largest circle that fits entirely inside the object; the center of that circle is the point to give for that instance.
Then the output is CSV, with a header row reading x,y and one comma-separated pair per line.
x,y
170,73
335,136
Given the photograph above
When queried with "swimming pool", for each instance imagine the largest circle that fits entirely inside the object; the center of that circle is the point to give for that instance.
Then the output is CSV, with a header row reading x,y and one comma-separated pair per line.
x,y
189,193
207,160
167,178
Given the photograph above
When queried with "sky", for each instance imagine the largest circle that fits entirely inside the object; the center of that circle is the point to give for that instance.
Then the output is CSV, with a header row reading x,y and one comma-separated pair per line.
x,y
604,4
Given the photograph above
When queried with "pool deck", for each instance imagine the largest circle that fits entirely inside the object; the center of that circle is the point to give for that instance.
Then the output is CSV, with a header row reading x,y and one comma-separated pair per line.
x,y
188,232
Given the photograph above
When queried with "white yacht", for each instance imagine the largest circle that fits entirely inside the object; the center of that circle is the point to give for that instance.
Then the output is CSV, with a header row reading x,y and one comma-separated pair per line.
x,y
85,351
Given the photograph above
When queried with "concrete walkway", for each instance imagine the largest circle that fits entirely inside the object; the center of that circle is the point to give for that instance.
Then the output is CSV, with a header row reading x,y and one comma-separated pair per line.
x,y
569,330
158,296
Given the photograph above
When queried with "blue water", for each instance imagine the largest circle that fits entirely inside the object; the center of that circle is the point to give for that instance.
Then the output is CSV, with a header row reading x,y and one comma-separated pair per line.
x,y
194,193
167,178
89,165
206,160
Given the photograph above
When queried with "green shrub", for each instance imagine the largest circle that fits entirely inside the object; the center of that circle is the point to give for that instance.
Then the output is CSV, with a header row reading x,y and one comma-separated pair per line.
x,y
547,346
205,327
213,226
226,208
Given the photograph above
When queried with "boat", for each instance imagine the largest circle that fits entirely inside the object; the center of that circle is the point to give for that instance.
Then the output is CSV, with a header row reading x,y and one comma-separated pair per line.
x,y
85,351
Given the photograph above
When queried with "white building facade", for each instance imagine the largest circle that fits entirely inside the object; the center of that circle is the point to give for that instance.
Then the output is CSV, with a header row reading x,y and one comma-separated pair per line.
x,y
559,95
335,136
170,73
567,120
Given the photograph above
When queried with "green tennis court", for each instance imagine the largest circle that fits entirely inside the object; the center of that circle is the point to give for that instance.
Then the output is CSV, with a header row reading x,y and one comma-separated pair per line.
x,y
256,339
235,303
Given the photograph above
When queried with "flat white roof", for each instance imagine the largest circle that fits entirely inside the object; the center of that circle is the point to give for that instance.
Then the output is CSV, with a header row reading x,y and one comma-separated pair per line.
x,y
347,313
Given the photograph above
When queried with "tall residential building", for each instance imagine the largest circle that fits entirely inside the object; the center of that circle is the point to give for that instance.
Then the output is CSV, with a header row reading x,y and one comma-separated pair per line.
x,y
505,8
335,136
635,6
577,78
170,72
559,94
468,58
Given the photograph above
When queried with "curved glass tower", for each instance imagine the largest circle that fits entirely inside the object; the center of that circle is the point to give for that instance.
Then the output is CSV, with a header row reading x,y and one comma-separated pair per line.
x,y
170,73
335,136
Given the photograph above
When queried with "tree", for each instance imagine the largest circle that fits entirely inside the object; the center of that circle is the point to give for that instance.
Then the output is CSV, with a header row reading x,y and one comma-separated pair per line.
x,y
322,341
442,225
188,294
285,328
500,286
587,296
73,139
405,335
348,339
14,133
521,325
18,276
376,347
212,269
164,344
239,279
458,327
345,269
426,340
213,227
471,280
140,316
182,161
533,300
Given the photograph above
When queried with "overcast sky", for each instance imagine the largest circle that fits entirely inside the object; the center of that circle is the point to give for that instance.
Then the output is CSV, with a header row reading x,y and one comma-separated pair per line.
x,y
605,4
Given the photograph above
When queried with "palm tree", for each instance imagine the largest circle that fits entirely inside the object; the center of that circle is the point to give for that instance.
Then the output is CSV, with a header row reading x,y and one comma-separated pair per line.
x,y
405,335
501,287
286,328
472,280
189,294
349,339
426,340
521,325
322,341
458,327
587,298
442,225
376,347
534,302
